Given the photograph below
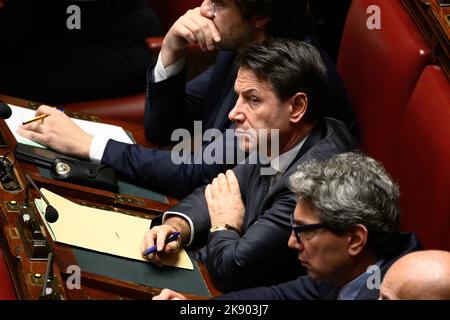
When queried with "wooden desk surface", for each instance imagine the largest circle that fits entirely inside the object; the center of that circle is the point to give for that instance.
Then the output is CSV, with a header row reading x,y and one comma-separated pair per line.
x,y
25,272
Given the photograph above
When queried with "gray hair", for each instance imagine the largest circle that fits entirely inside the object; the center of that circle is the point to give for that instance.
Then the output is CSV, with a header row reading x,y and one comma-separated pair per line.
x,y
350,189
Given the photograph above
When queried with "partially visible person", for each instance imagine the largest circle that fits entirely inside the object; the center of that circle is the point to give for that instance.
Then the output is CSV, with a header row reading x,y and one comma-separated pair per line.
x,y
44,59
243,216
345,229
227,25
421,275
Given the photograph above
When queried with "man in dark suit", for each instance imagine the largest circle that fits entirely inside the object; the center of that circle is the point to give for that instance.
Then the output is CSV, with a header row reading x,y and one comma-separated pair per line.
x,y
243,216
171,104
345,230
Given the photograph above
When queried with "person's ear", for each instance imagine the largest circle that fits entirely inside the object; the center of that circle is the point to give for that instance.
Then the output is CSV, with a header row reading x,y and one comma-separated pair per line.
x,y
357,239
260,22
298,106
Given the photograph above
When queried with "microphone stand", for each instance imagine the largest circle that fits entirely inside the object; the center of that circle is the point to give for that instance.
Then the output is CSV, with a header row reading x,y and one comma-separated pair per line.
x,y
46,291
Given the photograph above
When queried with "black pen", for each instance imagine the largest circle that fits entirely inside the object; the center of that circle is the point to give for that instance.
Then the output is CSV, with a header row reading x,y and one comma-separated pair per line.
x,y
172,237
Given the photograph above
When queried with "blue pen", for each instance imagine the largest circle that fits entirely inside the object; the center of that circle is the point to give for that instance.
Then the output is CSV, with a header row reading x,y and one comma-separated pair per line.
x,y
172,237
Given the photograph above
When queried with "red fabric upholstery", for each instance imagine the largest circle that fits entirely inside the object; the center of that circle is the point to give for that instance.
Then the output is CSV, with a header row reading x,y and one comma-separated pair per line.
x,y
379,69
170,10
6,287
130,108
422,160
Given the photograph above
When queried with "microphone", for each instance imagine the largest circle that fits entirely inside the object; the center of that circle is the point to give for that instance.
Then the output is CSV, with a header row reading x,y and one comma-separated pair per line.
x,y
51,215
5,110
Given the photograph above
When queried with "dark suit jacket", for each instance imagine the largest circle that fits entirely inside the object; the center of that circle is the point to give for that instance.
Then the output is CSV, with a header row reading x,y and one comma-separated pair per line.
x,y
304,288
261,255
171,104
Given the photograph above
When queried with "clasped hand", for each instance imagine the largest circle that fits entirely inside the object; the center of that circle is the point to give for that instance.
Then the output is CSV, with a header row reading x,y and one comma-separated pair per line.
x,y
224,200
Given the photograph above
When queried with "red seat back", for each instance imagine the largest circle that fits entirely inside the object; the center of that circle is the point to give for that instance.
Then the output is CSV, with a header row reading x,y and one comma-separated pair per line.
x,y
422,160
379,69
6,287
170,10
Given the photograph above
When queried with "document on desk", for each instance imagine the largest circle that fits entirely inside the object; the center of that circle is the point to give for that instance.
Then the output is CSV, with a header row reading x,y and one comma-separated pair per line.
x,y
20,115
101,230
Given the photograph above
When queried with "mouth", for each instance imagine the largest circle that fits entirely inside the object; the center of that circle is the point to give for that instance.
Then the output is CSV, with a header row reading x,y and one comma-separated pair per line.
x,y
304,263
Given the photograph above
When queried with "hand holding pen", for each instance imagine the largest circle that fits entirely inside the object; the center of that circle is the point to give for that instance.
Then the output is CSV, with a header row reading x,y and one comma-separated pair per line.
x,y
174,236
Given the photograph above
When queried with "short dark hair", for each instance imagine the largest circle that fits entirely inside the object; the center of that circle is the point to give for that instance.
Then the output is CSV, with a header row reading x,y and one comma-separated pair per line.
x,y
350,189
289,18
290,66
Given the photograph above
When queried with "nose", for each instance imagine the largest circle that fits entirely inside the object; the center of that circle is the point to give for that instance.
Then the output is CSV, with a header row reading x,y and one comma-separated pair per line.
x,y
235,114
292,242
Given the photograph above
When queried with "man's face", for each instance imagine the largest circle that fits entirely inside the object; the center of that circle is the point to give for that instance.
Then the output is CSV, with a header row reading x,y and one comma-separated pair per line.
x,y
321,252
257,108
234,30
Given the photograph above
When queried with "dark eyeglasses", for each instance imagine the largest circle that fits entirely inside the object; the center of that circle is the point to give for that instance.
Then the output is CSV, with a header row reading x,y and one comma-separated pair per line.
x,y
305,229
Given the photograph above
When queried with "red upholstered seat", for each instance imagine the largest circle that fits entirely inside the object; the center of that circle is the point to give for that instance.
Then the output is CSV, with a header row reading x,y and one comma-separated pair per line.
x,y
6,287
129,108
379,69
422,160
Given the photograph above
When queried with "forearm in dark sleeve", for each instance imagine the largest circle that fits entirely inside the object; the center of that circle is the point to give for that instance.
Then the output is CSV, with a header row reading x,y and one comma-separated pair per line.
x,y
258,256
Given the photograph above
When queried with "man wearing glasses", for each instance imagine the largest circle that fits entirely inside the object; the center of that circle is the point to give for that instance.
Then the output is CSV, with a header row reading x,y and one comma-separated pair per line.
x,y
345,229
226,25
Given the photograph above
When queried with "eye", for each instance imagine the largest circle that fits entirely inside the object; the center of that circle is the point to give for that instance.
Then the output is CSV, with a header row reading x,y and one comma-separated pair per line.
x,y
252,100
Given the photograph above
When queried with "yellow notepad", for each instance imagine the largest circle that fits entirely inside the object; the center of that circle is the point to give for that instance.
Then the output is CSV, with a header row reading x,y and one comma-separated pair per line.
x,y
101,230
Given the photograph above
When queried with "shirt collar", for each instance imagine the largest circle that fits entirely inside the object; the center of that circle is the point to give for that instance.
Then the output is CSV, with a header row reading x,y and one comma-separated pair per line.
x,y
351,290
282,162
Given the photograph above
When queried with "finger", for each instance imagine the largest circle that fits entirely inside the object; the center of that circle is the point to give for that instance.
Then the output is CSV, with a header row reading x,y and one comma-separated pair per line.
x,y
161,236
209,31
148,240
156,260
209,198
223,184
197,31
208,193
36,126
163,295
172,246
215,188
186,34
32,135
44,109
233,183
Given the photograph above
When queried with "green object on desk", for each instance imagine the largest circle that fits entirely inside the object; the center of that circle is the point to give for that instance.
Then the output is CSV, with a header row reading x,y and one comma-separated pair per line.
x,y
124,188
144,273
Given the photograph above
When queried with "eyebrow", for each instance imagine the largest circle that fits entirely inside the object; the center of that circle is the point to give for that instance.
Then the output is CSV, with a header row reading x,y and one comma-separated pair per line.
x,y
246,91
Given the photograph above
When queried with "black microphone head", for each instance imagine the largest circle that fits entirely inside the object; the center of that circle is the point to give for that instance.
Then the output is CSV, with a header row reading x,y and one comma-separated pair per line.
x,y
5,111
51,215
